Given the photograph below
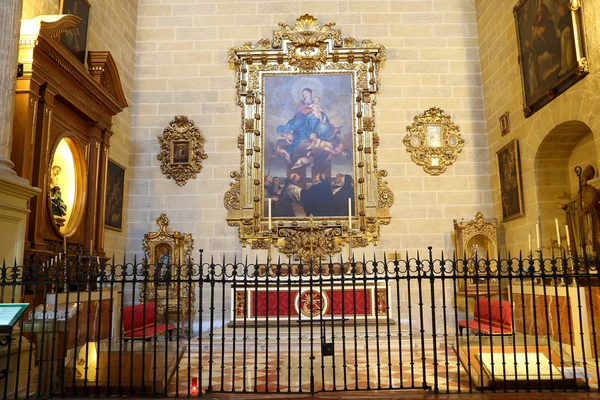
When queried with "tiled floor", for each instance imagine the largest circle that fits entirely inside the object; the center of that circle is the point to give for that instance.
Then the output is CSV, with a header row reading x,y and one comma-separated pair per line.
x,y
258,365
292,372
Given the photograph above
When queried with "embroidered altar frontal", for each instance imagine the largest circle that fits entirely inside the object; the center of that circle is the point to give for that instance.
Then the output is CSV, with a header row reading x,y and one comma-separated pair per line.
x,y
272,303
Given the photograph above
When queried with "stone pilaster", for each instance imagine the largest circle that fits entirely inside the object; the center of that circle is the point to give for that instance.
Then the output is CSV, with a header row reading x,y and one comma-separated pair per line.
x,y
10,15
15,191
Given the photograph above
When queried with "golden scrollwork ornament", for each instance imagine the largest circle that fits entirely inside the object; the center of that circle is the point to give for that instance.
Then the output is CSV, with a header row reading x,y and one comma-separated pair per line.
x,y
433,141
181,150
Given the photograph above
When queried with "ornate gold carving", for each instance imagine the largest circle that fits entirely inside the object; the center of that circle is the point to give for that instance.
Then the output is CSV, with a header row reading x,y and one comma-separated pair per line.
x,y
309,242
240,304
433,141
306,48
381,301
583,66
476,239
231,199
385,195
166,270
181,150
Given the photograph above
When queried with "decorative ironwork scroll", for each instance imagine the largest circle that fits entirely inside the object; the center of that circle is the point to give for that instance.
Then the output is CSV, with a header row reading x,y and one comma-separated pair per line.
x,y
308,181
181,150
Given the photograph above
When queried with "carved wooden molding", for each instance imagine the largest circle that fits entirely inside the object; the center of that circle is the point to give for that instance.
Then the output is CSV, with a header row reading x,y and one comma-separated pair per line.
x,y
103,69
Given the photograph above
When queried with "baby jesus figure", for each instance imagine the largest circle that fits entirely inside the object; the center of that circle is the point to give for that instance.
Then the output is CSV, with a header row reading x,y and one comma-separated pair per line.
x,y
316,109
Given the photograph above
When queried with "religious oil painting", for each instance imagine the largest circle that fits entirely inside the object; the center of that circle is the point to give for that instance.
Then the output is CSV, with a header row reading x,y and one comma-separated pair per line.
x,y
181,152
509,175
551,51
115,187
308,159
433,136
75,40
308,181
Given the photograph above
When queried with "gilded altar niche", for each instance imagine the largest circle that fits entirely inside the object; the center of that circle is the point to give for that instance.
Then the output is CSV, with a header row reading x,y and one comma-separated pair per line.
x,y
308,181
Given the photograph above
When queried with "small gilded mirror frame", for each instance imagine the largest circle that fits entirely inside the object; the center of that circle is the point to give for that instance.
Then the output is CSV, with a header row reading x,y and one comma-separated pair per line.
x,y
433,141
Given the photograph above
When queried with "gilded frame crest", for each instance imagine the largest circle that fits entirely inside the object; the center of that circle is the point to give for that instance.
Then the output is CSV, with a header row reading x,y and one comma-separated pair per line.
x,y
181,150
308,102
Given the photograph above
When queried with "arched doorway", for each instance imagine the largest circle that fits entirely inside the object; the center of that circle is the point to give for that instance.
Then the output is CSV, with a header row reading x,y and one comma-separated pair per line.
x,y
566,146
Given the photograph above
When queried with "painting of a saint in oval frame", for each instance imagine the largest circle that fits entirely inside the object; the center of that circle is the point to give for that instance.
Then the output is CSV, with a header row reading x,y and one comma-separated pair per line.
x,y
308,181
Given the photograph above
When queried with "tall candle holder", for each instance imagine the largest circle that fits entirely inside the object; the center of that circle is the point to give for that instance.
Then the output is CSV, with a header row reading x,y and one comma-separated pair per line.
x,y
532,269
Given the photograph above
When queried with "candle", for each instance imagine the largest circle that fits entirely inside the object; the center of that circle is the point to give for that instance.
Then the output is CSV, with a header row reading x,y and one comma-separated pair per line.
x,y
91,247
349,213
557,231
65,244
270,226
529,247
537,236
568,237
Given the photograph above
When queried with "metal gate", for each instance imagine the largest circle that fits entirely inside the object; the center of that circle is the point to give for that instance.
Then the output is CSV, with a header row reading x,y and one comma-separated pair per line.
x,y
287,327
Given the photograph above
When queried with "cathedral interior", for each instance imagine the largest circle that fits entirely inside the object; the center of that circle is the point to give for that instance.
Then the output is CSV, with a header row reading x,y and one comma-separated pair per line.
x,y
298,196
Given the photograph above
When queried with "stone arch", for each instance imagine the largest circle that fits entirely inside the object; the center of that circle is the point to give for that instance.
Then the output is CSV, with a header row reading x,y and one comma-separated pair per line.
x,y
567,144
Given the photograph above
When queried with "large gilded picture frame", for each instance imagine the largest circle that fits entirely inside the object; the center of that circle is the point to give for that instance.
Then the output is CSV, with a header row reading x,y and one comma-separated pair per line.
x,y
551,44
308,181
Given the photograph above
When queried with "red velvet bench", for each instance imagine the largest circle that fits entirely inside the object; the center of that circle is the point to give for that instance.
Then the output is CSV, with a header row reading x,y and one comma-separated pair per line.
x,y
490,317
139,322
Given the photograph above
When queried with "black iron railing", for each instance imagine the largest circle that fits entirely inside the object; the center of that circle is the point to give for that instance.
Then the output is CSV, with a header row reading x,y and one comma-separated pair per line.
x,y
445,325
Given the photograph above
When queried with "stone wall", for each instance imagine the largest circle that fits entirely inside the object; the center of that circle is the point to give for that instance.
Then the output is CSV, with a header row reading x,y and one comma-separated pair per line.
x,y
548,138
33,8
181,68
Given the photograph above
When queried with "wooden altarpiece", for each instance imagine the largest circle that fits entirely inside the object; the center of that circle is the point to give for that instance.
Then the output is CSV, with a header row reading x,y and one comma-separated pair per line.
x,y
58,100
166,269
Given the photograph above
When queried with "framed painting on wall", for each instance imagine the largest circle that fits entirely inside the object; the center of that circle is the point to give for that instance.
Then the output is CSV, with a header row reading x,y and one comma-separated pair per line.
x,y
552,55
308,125
308,181
509,181
115,188
75,40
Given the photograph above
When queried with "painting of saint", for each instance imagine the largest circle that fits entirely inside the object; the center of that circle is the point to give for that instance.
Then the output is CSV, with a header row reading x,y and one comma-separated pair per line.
x,y
547,45
308,129
115,182
181,152
510,181
75,40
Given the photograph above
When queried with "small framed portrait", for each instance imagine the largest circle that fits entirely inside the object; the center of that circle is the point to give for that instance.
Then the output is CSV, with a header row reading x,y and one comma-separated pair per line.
x,y
505,123
433,136
181,152
509,180
75,40
115,188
